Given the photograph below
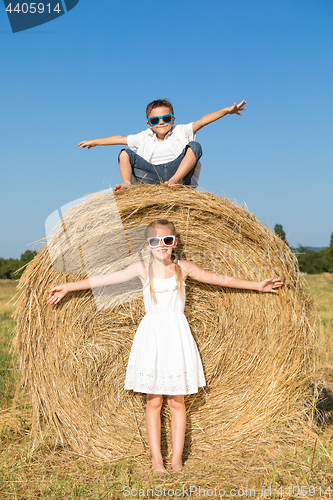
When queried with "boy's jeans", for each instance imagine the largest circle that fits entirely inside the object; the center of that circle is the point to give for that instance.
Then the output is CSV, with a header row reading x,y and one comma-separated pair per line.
x,y
146,172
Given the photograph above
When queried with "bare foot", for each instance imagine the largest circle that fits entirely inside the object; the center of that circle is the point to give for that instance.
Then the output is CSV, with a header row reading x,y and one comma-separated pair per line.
x,y
158,466
124,185
170,184
176,466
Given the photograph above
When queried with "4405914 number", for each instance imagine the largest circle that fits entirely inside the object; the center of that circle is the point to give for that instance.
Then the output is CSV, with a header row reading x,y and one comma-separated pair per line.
x,y
33,8
303,491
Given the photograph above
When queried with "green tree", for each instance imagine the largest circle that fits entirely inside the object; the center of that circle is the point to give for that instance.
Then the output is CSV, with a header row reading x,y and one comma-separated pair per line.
x,y
331,254
8,267
278,230
312,262
27,256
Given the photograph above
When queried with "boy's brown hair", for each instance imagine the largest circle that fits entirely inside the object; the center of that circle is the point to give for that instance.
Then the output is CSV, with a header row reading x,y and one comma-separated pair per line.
x,y
159,103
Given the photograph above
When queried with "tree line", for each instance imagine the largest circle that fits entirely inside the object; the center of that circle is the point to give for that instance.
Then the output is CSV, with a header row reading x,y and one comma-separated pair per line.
x,y
310,261
8,267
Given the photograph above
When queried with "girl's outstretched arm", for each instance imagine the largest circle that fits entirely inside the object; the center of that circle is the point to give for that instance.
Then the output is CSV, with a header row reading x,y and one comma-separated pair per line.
x,y
197,273
127,274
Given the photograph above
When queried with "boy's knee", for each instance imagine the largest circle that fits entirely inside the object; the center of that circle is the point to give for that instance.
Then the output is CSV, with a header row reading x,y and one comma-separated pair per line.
x,y
124,154
196,148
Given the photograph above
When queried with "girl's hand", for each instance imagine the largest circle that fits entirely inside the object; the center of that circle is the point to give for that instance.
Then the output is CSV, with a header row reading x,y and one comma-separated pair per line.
x,y
56,294
269,285
87,144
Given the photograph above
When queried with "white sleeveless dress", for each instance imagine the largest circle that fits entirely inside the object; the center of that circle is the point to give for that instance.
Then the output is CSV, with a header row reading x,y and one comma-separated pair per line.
x,y
164,358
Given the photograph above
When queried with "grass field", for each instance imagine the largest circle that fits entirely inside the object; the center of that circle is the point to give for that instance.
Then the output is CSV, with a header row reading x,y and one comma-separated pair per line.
x,y
321,288
54,472
8,367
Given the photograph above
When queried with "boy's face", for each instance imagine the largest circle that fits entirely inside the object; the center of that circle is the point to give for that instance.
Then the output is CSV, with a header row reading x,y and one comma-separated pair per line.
x,y
161,128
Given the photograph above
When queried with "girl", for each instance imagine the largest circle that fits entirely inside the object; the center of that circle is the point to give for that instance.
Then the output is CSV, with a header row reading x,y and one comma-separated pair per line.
x,y
164,358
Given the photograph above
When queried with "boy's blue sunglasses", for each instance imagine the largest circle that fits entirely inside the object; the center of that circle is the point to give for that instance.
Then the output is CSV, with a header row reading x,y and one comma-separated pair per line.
x,y
154,120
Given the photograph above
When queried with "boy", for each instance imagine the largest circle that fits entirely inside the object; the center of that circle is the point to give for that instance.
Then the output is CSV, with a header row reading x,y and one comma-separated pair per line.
x,y
163,152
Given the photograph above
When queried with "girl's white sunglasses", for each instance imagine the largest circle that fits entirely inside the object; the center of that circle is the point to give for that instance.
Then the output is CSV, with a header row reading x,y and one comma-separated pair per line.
x,y
155,241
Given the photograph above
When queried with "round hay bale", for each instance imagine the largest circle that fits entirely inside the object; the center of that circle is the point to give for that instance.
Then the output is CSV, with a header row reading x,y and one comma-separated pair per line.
x,y
257,349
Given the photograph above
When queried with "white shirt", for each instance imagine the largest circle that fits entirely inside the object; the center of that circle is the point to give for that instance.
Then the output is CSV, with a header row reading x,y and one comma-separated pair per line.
x,y
179,136
162,154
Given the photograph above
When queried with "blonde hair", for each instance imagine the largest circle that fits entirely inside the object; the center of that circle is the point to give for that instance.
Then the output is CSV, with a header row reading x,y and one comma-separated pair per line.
x,y
180,284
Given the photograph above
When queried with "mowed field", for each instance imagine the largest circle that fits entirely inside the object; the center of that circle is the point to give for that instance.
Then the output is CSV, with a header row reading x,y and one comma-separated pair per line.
x,y
47,470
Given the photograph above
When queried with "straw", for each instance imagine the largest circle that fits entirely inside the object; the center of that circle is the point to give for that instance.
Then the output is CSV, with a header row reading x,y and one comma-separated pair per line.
x,y
257,349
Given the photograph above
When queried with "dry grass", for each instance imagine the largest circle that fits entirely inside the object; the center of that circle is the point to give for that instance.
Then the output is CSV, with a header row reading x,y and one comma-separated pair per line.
x,y
257,350
8,367
321,287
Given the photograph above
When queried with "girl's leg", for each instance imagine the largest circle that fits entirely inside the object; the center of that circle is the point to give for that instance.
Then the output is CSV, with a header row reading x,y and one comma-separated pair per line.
x,y
153,425
178,425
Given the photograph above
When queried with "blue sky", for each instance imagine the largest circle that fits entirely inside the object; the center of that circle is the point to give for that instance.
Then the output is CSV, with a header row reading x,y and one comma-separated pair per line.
x,y
91,73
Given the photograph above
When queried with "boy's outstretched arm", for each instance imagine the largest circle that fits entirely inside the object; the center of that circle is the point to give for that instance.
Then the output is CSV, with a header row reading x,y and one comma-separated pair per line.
x,y
212,117
114,140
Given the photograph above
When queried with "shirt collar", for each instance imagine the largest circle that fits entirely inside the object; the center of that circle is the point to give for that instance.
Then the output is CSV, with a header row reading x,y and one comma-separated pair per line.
x,y
153,134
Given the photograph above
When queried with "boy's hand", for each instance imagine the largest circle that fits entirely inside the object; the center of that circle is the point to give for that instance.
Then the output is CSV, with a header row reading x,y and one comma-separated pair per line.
x,y
236,108
56,294
87,144
269,285
212,117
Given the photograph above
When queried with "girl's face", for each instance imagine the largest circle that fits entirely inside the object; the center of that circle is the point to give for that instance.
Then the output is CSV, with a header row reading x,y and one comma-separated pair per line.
x,y
162,252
